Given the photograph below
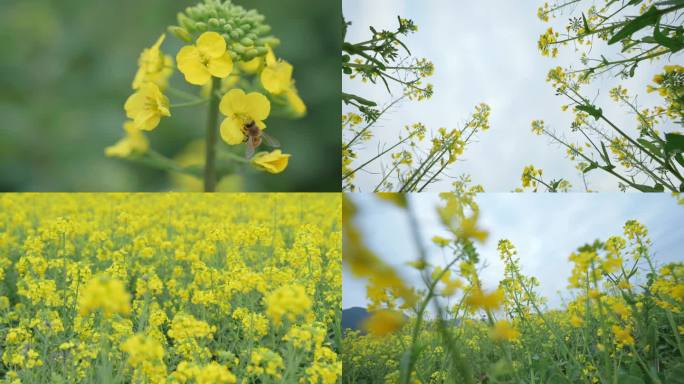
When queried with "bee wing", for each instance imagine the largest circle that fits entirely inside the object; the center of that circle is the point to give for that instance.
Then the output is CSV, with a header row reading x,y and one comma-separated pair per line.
x,y
270,140
249,147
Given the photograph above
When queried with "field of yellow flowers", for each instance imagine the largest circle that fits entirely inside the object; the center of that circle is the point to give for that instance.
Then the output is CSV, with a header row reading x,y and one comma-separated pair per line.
x,y
623,322
170,288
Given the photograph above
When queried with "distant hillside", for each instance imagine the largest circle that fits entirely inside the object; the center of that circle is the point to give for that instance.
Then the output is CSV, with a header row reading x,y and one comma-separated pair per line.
x,y
353,317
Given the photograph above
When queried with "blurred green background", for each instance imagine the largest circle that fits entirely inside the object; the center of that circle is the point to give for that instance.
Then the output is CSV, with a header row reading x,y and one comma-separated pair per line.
x,y
65,72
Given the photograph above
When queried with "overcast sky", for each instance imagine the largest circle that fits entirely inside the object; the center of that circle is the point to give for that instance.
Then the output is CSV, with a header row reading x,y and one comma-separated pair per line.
x,y
545,228
486,51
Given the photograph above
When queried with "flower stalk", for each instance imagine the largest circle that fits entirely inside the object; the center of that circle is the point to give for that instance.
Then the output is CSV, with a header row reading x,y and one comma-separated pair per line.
x,y
212,134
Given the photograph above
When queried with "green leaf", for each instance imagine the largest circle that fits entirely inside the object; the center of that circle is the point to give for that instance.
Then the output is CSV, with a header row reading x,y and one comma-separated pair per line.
x,y
651,146
596,113
591,167
605,154
648,188
650,17
586,25
346,97
674,143
675,374
673,45
629,379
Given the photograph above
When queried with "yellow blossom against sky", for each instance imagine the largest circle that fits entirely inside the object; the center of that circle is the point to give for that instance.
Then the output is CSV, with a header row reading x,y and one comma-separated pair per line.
x,y
485,53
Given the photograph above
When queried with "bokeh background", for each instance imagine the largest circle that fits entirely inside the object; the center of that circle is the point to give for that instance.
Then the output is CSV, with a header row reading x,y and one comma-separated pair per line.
x,y
65,72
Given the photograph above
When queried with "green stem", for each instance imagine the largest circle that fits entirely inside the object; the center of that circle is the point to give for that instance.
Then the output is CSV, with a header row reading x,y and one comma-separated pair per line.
x,y
212,134
189,103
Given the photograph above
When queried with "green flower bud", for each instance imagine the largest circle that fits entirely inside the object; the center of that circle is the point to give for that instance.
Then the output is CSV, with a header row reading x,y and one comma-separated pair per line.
x,y
185,21
243,29
251,53
180,33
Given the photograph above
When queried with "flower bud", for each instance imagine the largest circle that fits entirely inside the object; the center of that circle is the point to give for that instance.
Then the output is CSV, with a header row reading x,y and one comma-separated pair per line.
x,y
185,22
180,33
214,23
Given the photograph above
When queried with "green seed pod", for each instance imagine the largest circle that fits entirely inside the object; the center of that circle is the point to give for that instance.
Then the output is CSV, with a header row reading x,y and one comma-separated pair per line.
x,y
180,33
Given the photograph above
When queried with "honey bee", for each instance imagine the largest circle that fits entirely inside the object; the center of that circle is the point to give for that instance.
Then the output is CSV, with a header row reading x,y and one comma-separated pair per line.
x,y
255,136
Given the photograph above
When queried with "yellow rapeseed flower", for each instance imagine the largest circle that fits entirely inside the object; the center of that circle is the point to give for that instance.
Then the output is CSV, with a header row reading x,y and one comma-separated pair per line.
x,y
209,57
276,77
153,66
383,322
287,303
504,330
107,295
147,106
271,162
241,109
487,301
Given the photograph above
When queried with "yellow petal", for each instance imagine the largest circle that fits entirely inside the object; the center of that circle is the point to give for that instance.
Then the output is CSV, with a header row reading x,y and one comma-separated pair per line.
x,y
231,131
251,66
190,64
296,103
148,121
135,104
234,102
221,67
270,57
273,162
258,106
159,42
277,78
211,45
122,148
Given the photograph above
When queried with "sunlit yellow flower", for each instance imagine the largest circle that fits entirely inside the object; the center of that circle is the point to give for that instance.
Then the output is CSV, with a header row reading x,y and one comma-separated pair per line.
x,y
504,330
107,295
487,301
623,335
271,162
207,58
469,229
147,106
383,322
241,109
287,303
153,66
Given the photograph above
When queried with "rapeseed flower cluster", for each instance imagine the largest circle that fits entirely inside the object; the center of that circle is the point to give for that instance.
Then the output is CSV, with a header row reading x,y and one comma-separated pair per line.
x,y
170,288
229,56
